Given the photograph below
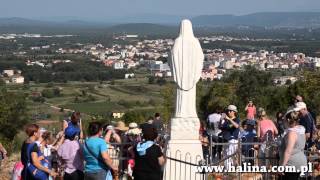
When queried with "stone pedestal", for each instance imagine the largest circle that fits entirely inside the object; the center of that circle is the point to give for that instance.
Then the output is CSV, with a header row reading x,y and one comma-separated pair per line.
x,y
185,146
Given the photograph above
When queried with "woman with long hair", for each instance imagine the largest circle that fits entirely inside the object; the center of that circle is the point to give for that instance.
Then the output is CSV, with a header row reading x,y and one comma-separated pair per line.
x,y
266,131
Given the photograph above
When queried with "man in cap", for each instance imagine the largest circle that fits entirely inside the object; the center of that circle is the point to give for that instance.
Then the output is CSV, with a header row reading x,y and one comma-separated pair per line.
x,y
230,132
306,120
299,98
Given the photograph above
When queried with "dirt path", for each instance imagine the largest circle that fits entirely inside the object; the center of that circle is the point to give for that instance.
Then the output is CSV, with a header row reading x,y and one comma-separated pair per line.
x,y
57,108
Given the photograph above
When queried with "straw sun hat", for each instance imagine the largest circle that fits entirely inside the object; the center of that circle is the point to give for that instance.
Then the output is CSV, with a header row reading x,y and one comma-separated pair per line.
x,y
121,126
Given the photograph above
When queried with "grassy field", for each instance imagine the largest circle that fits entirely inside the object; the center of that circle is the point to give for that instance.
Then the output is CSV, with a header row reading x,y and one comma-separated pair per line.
x,y
92,98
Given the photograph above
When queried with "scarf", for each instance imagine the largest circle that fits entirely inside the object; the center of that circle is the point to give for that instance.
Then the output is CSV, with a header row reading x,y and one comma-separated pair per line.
x,y
142,147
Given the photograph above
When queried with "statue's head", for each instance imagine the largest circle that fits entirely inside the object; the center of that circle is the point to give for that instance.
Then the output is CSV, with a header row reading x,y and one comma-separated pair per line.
x,y
186,28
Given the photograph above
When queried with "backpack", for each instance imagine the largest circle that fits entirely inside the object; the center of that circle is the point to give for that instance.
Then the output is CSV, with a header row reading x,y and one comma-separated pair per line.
x,y
17,171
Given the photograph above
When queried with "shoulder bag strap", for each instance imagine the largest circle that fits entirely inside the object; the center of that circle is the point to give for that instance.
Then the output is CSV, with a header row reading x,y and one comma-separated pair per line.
x,y
92,154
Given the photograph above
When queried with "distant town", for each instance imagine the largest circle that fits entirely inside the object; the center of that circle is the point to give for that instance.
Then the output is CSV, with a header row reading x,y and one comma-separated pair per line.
x,y
153,55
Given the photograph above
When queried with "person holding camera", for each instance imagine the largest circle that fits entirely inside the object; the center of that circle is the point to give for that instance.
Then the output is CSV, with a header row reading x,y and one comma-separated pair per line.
x,y
229,126
251,111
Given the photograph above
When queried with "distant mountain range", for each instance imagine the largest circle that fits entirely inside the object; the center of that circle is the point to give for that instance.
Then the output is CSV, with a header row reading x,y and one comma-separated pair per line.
x,y
143,28
17,21
169,23
268,19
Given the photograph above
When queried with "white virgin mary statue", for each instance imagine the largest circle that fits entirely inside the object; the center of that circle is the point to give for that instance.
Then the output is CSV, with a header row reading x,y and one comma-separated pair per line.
x,y
186,65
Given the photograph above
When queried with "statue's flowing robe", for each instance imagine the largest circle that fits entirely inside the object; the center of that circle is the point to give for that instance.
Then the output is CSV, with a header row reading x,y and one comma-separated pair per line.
x,y
186,65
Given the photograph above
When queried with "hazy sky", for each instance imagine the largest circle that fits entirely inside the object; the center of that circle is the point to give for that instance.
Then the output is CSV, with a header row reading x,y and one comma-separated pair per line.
x,y
118,8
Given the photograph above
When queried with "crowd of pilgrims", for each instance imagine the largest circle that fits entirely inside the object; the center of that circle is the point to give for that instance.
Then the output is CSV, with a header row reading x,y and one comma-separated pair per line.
x,y
71,156
293,132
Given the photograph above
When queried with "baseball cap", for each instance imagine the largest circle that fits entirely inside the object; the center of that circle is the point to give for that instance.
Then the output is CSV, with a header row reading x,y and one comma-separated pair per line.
x,y
232,108
299,106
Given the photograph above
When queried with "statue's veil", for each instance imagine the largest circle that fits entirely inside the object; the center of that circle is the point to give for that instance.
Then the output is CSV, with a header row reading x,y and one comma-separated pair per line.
x,y
186,52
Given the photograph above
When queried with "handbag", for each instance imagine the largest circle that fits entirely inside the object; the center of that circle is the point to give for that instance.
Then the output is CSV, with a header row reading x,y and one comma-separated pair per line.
x,y
34,171
109,175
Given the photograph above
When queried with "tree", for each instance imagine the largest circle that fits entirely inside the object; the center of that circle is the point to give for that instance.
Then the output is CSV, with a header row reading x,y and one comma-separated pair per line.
x,y
161,81
152,102
90,98
125,103
250,84
76,99
168,101
288,82
220,95
91,88
309,88
47,93
84,92
138,103
2,82
136,116
56,92
38,99
50,85
151,80
13,115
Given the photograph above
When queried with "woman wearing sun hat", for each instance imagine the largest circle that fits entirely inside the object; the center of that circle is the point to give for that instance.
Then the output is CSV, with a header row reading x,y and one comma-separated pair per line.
x,y
116,136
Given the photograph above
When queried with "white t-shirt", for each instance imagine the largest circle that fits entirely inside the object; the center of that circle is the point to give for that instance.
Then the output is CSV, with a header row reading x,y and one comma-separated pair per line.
x,y
214,119
47,151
